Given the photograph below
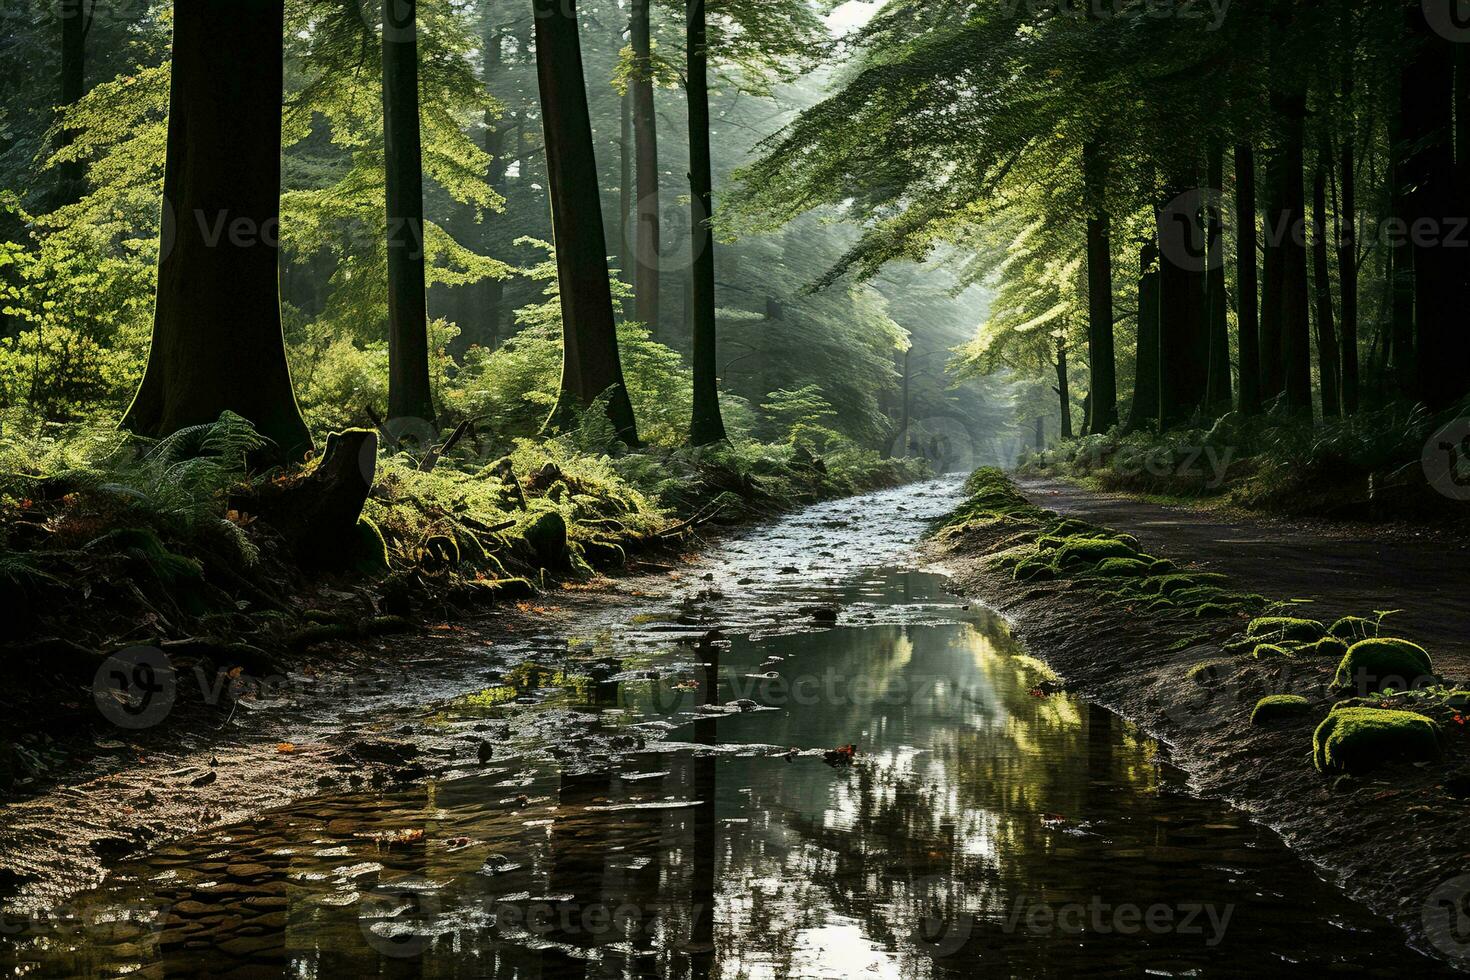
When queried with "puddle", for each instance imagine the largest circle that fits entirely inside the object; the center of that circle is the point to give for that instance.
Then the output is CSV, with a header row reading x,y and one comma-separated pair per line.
x,y
693,819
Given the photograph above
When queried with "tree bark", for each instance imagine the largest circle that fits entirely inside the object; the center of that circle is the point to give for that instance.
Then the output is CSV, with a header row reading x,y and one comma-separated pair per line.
x,y
1062,390
1102,364
1347,256
1183,343
645,135
1328,365
1144,415
217,341
71,180
492,290
1296,329
706,426
409,394
1247,309
1218,388
590,362
627,251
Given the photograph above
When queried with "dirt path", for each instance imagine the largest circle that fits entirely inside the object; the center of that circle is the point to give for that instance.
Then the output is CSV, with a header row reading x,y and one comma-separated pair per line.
x,y
1346,569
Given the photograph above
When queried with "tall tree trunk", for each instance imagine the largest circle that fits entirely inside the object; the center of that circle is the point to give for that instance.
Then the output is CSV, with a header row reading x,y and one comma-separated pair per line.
x,y
1218,389
1247,313
217,342
627,252
1295,298
71,178
1347,252
590,362
645,134
409,393
492,290
706,425
1328,364
1144,414
1273,283
1435,208
1101,362
1183,342
1063,391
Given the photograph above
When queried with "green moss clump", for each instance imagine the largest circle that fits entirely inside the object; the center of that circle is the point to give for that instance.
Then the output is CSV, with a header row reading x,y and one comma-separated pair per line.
x,y
1353,628
1278,707
1122,568
320,633
1207,609
1091,551
1286,628
1032,571
385,625
1162,566
1265,651
1207,672
1357,739
369,552
506,589
546,537
1381,659
1174,582
1330,646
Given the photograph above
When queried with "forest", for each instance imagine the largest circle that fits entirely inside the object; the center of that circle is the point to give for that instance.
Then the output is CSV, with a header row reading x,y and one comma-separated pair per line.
x,y
543,381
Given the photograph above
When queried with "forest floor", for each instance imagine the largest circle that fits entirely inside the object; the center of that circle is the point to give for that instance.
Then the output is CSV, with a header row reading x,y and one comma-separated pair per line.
x,y
1391,837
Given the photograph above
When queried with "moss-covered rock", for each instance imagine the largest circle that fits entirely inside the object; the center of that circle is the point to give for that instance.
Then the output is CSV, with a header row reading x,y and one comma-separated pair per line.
x,y
367,551
1277,628
1177,581
1266,651
1383,661
1161,566
546,538
1354,739
1330,646
1279,707
1351,629
1090,551
1033,571
1122,568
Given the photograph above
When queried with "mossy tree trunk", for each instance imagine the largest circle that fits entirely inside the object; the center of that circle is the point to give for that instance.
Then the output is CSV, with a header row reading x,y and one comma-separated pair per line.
x,y
590,362
1247,301
217,341
409,393
706,426
1102,364
645,136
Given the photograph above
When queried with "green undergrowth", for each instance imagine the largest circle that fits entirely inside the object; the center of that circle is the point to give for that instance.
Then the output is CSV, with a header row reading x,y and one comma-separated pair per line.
x,y
116,530
1032,544
1366,467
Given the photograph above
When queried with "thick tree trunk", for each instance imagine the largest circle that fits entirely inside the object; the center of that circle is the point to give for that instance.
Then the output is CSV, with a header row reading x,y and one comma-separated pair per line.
x,y
1328,365
590,362
1296,328
706,425
1101,362
1247,303
645,135
1434,210
1218,389
217,342
1183,343
1273,282
409,394
71,178
1144,414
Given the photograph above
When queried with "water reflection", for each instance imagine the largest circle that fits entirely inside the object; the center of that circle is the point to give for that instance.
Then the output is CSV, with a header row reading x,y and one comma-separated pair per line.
x,y
987,825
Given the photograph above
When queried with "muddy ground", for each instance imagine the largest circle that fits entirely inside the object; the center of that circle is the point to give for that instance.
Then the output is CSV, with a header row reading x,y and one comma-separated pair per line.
x,y
1394,839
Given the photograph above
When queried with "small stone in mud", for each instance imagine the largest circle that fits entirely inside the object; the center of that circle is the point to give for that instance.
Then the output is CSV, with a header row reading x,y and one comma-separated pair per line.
x,y
485,752
203,780
790,570
822,614
409,773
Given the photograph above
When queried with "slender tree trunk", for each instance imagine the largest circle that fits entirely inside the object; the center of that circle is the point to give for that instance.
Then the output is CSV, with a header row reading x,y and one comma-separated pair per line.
x,y
645,134
1144,414
590,362
903,418
1347,255
1273,283
492,290
706,426
217,342
1399,350
409,394
1218,389
627,252
1062,390
1101,362
1328,365
1296,328
71,179
1247,304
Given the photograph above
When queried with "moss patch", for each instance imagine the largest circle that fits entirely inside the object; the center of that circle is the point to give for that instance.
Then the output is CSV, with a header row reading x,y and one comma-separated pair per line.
x,y
1277,628
1355,740
1279,707
1350,629
1383,659
1122,568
